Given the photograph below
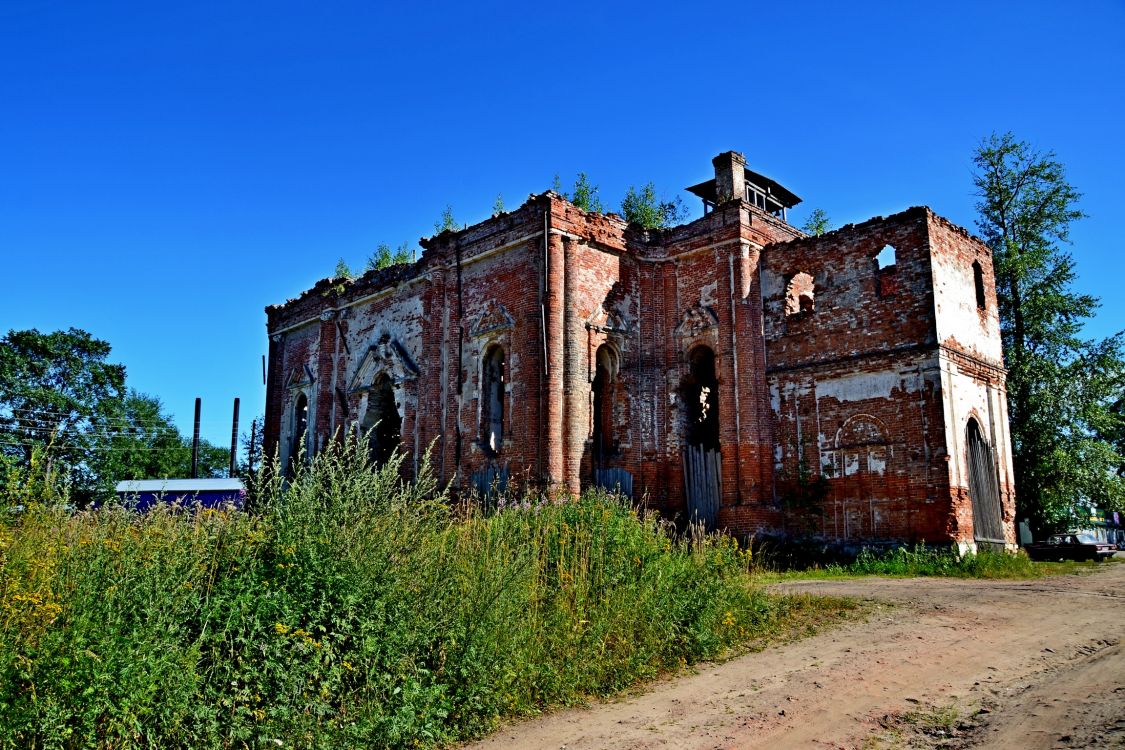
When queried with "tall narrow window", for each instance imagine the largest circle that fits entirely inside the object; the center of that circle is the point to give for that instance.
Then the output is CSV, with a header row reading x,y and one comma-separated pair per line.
x,y
300,427
604,388
886,272
978,282
701,395
492,400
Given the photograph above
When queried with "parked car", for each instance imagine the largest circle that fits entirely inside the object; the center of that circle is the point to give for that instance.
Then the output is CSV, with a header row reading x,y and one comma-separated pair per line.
x,y
1070,547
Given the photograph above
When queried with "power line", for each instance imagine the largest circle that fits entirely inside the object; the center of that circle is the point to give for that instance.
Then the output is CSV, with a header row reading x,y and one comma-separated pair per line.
x,y
108,424
71,413
125,421
100,449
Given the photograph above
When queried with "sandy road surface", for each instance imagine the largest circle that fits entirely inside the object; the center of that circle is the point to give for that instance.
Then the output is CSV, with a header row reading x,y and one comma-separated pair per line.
x,y
1022,664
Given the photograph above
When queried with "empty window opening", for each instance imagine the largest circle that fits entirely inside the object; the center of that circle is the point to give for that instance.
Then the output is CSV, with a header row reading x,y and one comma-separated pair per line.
x,y
886,274
300,428
382,424
605,394
701,397
978,282
886,257
492,400
799,294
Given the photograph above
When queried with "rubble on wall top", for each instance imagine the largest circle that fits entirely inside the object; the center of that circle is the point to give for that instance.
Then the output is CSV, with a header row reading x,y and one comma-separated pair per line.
x,y
914,212
336,286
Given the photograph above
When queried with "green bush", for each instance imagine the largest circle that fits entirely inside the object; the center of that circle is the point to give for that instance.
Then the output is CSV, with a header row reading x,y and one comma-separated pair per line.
x,y
921,560
352,610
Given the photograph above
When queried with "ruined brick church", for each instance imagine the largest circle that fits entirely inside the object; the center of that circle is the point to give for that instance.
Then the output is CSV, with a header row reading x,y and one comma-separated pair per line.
x,y
731,370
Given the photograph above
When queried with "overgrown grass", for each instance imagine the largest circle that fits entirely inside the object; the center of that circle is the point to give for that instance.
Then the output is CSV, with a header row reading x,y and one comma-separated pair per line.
x,y
354,610
921,560
910,562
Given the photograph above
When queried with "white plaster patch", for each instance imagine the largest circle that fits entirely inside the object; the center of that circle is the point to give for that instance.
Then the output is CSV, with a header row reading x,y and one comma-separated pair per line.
x,y
707,293
877,460
956,307
862,386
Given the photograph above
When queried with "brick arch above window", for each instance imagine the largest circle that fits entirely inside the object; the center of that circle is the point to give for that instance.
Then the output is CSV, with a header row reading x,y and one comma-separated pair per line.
x,y
800,294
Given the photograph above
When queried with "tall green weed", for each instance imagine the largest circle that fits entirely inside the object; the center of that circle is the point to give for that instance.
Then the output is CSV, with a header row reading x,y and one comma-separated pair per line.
x,y
352,609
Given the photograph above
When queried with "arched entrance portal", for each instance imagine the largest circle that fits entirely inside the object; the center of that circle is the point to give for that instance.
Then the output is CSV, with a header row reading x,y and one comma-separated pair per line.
x,y
988,525
382,423
702,455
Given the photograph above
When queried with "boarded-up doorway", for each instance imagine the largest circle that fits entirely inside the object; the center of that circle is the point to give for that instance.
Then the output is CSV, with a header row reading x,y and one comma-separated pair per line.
x,y
702,456
988,525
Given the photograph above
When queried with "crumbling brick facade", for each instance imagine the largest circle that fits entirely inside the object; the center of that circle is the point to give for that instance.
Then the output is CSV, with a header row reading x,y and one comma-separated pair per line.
x,y
731,370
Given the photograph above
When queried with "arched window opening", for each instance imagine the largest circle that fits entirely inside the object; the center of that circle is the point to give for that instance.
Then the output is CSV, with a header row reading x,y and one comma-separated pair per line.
x,y
492,400
978,283
701,394
300,427
799,294
605,395
382,424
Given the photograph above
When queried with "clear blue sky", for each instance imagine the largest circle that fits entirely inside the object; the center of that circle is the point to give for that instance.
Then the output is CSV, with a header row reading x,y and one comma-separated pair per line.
x,y
166,172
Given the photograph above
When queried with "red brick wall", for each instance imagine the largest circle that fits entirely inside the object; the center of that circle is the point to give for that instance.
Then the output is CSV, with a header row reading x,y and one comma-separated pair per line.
x,y
854,384
855,387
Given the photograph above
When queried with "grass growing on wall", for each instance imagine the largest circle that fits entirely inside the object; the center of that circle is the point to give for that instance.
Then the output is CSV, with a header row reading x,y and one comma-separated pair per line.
x,y
353,610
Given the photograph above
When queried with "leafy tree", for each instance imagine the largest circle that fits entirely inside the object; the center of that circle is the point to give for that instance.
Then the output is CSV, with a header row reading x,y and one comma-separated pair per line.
x,y
140,443
143,443
65,413
57,391
644,208
1061,387
818,223
343,271
214,461
498,206
383,257
1114,433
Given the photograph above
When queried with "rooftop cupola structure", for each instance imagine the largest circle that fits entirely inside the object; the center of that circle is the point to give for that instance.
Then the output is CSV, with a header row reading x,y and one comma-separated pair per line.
x,y
733,180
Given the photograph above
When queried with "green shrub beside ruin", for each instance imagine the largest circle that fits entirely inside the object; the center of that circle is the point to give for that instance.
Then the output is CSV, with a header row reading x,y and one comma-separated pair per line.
x,y
351,610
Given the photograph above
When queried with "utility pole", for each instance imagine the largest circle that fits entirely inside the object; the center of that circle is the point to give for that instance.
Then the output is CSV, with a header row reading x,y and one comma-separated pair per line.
x,y
195,442
253,434
233,440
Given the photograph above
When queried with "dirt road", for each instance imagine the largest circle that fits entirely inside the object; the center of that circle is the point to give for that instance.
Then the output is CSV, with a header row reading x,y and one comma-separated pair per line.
x,y
949,663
